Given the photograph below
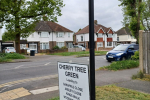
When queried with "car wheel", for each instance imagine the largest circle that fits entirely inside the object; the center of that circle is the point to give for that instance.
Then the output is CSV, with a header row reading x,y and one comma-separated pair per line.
x,y
123,58
109,60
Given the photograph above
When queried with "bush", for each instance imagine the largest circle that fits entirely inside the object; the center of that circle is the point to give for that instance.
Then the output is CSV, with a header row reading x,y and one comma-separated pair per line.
x,y
119,65
138,75
135,56
64,47
2,55
14,56
55,47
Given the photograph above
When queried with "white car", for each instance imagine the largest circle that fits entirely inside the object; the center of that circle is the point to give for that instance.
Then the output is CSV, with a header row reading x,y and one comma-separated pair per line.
x,y
9,50
79,46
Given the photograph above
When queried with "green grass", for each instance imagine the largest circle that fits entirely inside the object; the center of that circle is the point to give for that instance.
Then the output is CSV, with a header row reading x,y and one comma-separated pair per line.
x,y
119,65
141,76
112,92
80,54
4,57
14,56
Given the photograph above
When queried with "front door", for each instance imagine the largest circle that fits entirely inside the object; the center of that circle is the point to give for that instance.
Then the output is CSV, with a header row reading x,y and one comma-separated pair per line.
x,y
33,46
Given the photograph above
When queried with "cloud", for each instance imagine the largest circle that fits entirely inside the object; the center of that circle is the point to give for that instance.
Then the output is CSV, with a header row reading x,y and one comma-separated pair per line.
x,y
76,14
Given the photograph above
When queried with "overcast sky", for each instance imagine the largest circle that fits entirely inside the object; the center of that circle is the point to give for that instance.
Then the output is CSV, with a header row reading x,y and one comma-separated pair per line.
x,y
75,14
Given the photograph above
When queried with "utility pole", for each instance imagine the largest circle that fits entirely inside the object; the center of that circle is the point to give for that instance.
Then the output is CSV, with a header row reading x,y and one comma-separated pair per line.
x,y
92,50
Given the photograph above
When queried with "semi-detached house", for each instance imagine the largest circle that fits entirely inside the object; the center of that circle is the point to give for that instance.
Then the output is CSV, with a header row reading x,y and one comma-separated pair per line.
x,y
47,35
105,38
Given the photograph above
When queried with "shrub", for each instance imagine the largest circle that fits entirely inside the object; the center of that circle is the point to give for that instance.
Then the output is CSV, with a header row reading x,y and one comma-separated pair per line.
x,y
2,54
64,47
135,56
14,56
119,65
55,47
138,75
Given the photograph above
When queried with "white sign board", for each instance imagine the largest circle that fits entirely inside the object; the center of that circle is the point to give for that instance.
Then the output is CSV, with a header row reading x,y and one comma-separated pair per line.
x,y
73,81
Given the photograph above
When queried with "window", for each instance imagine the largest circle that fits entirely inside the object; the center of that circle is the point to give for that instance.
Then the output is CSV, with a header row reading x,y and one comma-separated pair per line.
x,y
44,46
44,34
117,38
109,43
70,45
100,35
81,38
109,35
22,46
99,44
68,34
59,34
60,44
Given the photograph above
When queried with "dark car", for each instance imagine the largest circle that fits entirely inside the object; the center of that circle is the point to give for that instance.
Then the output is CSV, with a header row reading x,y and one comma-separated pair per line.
x,y
122,52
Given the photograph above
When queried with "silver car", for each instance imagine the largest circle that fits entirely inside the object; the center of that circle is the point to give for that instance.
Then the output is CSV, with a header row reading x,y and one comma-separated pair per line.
x,y
9,50
79,46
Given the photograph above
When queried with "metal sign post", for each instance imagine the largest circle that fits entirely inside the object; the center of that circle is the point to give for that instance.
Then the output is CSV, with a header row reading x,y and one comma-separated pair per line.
x,y
92,52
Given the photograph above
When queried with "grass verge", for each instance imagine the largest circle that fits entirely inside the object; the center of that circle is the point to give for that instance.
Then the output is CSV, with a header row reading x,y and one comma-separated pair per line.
x,y
141,76
119,65
8,57
112,92
80,54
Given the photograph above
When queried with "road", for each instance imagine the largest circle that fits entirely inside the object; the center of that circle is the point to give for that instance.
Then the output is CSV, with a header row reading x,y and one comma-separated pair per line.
x,y
40,72
41,66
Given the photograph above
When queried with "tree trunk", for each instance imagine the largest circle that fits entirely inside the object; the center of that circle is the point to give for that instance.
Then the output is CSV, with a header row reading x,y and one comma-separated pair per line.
x,y
138,21
17,42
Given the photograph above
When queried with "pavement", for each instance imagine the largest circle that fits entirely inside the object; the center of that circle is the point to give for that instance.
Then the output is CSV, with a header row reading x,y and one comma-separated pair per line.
x,y
46,88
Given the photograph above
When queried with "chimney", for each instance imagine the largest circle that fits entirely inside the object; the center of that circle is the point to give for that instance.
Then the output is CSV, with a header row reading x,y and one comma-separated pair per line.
x,y
95,22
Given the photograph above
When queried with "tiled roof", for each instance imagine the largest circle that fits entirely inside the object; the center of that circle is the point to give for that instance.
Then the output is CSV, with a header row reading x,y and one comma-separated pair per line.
x,y
124,31
50,26
96,28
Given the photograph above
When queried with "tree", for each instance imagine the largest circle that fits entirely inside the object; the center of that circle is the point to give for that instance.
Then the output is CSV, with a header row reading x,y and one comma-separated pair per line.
x,y
21,16
132,15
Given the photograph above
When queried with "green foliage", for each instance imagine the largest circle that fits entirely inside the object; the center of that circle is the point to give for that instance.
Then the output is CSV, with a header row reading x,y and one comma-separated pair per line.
x,y
138,75
112,92
135,56
56,47
119,65
21,16
14,56
57,98
80,54
64,47
133,15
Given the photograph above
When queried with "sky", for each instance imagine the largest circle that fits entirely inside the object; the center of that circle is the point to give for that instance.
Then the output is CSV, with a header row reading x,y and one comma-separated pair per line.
x,y
75,14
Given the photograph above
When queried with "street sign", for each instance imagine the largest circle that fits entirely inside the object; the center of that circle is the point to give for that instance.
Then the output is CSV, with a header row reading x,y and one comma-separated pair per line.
x,y
73,81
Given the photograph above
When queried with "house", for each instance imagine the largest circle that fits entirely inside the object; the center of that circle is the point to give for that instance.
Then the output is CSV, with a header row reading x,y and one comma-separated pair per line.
x,y
105,38
124,36
47,35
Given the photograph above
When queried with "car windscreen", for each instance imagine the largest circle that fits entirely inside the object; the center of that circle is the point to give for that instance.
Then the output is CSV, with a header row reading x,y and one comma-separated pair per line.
x,y
120,48
11,48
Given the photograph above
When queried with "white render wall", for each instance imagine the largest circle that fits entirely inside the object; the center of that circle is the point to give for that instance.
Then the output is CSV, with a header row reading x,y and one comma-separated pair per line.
x,y
85,37
37,37
126,38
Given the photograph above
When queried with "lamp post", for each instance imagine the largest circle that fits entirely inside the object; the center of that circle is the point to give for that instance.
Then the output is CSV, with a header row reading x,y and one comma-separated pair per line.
x,y
92,51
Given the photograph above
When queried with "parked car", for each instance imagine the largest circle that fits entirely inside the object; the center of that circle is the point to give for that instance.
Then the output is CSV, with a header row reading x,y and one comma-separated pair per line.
x,y
122,52
79,46
9,50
